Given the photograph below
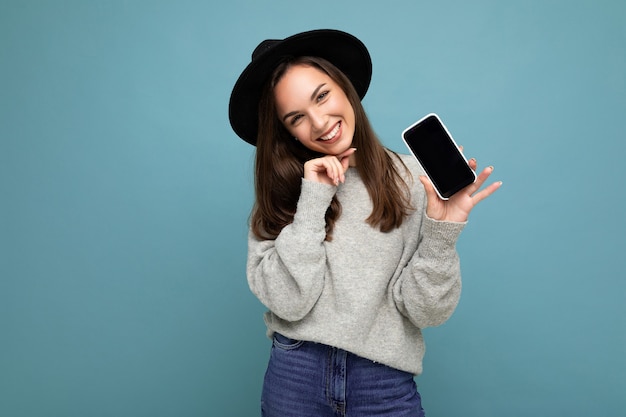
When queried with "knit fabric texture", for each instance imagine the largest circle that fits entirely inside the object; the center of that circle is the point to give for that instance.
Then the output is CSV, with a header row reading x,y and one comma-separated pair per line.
x,y
365,291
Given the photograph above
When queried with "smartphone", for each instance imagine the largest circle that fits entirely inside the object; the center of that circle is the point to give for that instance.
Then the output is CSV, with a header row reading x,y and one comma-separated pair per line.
x,y
432,145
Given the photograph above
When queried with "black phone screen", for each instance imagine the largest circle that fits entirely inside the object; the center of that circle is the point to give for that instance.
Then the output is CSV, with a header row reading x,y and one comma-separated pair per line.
x,y
434,148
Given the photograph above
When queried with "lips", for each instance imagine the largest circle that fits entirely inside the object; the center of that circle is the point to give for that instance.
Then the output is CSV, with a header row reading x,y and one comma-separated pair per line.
x,y
332,134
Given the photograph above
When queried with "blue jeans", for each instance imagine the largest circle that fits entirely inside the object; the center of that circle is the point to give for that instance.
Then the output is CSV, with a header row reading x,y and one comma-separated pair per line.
x,y
305,379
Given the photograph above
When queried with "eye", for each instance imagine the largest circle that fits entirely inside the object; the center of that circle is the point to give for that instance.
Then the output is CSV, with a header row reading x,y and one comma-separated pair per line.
x,y
295,119
322,96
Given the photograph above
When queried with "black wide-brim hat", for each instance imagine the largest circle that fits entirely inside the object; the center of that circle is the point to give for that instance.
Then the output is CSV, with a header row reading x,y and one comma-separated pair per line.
x,y
341,49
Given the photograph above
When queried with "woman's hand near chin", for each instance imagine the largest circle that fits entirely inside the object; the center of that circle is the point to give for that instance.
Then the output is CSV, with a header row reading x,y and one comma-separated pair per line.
x,y
329,169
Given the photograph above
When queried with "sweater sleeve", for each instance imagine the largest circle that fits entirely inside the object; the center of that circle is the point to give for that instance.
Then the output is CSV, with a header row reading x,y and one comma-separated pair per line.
x,y
429,287
287,274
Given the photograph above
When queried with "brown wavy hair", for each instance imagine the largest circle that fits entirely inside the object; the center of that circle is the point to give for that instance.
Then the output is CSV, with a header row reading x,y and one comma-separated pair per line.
x,y
279,164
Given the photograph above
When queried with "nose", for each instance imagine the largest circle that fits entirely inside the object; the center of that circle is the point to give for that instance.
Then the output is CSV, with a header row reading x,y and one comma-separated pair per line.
x,y
318,121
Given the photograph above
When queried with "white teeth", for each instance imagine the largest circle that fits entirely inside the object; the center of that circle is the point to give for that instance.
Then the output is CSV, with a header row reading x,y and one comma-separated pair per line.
x,y
332,133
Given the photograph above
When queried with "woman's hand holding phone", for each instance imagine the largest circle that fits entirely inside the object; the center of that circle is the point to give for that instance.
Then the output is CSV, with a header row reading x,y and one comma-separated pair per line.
x,y
458,207
451,184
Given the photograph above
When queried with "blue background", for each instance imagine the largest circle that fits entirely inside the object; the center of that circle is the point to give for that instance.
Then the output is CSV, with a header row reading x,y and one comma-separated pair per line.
x,y
125,197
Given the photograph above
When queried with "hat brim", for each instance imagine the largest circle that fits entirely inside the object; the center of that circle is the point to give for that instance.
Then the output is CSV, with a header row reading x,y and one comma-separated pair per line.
x,y
341,49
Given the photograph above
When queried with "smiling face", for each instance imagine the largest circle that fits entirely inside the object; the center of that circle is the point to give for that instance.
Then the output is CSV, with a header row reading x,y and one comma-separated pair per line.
x,y
315,109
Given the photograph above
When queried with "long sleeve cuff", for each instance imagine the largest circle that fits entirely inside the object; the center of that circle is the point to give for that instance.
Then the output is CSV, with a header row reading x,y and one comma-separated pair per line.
x,y
314,201
439,237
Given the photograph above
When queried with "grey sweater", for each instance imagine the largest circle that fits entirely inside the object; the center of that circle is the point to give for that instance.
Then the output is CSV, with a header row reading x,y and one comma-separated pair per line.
x,y
365,291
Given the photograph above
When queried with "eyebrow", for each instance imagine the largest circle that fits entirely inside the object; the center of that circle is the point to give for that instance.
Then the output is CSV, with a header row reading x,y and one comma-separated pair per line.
x,y
315,92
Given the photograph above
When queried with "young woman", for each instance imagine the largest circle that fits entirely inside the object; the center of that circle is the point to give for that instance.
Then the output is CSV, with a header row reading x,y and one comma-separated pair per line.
x,y
350,248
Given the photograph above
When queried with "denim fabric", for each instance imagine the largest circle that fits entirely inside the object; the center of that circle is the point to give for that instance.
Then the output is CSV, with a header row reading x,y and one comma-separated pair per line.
x,y
305,379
